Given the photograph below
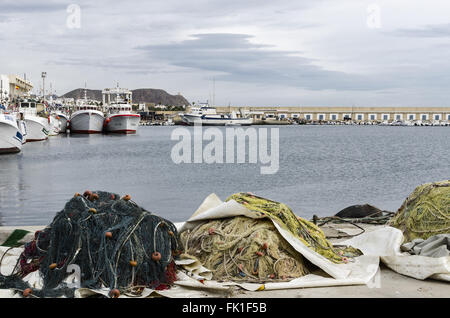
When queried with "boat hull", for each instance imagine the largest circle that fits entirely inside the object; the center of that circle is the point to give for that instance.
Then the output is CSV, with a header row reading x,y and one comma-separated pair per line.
x,y
10,138
63,124
37,128
86,123
122,123
211,121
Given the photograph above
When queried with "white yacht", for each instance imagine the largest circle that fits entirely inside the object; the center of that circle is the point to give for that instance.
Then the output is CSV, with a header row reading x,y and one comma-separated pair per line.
x,y
87,119
121,119
37,127
11,138
207,116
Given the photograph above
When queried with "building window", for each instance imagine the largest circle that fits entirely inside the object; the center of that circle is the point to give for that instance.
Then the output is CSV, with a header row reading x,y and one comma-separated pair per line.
x,y
346,117
334,117
448,116
321,117
373,117
398,116
385,116
308,116
424,116
437,117
411,117
360,117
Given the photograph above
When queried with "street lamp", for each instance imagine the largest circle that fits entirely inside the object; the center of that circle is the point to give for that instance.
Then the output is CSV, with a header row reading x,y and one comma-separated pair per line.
x,y
43,75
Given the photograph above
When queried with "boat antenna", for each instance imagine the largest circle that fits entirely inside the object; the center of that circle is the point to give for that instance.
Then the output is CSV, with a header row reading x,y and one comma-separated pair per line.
x,y
85,94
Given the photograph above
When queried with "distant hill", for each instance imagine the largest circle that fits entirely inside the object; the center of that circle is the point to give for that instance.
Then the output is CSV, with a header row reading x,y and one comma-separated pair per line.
x,y
141,95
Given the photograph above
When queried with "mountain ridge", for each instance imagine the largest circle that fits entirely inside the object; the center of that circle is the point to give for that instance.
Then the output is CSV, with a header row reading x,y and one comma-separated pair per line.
x,y
140,95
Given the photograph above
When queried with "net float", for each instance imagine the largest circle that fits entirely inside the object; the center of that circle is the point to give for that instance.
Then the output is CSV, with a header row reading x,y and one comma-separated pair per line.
x,y
113,197
76,195
272,276
156,256
259,253
93,196
115,293
211,231
171,233
133,263
53,265
108,234
92,210
87,193
27,292
265,246
345,260
126,197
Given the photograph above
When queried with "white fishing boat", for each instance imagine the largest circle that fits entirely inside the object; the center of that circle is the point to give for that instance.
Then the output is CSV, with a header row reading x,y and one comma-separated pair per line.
x,y
207,116
63,121
55,125
87,119
121,119
37,127
11,138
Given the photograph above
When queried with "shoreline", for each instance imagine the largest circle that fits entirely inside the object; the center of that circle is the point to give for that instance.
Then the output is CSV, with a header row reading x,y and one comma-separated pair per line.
x,y
391,284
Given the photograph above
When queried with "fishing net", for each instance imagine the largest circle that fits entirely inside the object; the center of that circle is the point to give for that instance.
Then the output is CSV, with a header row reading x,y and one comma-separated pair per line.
x,y
310,234
116,244
425,213
243,249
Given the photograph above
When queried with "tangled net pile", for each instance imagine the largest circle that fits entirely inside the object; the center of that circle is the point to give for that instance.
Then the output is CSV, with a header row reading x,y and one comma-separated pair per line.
x,y
310,234
116,244
425,213
243,249
246,249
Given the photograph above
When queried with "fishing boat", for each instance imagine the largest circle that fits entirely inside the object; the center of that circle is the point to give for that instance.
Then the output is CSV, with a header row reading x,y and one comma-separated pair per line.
x,y
37,127
87,119
63,121
121,119
11,138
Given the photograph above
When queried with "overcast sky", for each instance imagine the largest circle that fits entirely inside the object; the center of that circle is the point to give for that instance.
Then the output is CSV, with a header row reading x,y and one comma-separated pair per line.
x,y
289,53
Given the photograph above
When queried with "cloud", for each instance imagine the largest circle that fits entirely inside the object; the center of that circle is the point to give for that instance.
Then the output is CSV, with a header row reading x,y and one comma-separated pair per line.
x,y
235,58
428,31
31,6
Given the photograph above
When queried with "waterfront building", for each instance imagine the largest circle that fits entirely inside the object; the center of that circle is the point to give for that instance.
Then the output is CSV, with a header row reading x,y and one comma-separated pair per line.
x,y
356,114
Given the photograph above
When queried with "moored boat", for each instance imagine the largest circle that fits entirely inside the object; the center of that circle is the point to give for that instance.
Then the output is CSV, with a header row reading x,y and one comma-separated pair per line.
x,y
121,119
37,127
87,119
11,138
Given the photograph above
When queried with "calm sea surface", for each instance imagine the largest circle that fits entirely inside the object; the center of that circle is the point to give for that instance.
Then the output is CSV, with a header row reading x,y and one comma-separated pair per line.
x,y
323,169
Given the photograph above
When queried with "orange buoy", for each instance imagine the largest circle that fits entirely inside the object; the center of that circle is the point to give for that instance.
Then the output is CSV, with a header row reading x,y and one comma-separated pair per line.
x,y
92,210
171,233
265,246
156,256
87,193
211,231
126,197
27,292
108,234
115,293
76,195
53,265
259,253
272,276
113,197
133,263
93,196
254,272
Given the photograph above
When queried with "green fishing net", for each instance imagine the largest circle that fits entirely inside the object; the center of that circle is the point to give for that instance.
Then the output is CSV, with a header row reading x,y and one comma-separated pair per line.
x,y
425,213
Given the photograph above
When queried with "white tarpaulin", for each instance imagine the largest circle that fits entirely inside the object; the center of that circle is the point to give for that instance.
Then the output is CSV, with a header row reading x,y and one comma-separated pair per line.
x,y
359,272
386,241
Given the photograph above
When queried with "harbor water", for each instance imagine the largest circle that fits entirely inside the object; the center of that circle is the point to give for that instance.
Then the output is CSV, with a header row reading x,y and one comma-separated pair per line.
x,y
322,169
